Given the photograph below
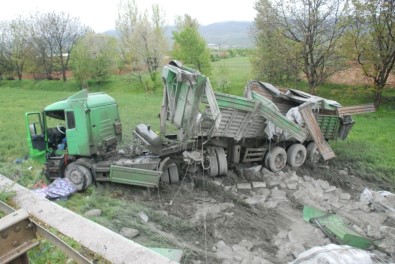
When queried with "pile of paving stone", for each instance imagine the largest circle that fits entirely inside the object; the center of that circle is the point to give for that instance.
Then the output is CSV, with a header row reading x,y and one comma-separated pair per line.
x,y
285,191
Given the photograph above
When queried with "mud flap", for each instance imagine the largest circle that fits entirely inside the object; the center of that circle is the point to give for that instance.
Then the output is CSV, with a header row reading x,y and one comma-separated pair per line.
x,y
335,228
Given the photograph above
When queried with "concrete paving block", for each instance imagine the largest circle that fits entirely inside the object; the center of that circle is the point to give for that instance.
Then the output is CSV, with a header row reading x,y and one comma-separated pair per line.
x,y
345,196
280,174
342,173
273,181
293,178
278,194
336,205
330,189
324,184
297,249
359,230
373,232
301,196
93,212
252,200
271,204
246,244
301,180
391,216
307,178
129,232
255,168
244,186
387,231
292,185
326,167
387,245
256,185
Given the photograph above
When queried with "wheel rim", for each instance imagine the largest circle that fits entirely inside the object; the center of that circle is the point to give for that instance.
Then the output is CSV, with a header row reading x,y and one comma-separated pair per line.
x,y
279,161
315,156
76,177
300,157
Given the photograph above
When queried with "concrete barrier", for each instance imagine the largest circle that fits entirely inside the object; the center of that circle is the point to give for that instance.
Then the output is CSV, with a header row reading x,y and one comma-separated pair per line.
x,y
106,243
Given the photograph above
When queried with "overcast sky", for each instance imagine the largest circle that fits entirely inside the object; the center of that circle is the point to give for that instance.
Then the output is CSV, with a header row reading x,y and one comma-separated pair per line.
x,y
101,14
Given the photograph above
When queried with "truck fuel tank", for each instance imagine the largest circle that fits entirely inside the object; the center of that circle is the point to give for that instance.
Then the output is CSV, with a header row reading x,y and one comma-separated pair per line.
x,y
149,135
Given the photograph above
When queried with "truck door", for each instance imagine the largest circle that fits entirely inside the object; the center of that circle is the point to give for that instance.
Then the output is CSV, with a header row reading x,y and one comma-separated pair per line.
x,y
35,136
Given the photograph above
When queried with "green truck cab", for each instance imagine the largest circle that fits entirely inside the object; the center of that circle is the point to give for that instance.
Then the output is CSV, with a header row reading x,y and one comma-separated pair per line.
x,y
77,138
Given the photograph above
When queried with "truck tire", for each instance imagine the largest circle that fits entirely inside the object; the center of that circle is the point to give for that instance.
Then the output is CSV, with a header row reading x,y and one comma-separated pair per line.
x,y
277,159
222,161
80,176
313,155
296,155
213,169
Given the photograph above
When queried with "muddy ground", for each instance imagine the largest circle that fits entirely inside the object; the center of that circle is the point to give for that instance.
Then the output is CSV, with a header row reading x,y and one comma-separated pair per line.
x,y
255,216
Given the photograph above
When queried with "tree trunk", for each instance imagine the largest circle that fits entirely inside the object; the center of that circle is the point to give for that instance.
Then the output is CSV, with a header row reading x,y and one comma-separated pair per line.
x,y
377,98
64,75
378,90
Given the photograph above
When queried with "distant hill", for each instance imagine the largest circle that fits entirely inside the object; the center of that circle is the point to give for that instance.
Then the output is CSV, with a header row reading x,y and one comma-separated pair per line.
x,y
230,33
223,34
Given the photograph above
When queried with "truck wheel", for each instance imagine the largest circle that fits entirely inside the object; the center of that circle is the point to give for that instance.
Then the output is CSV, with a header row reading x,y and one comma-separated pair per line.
x,y
277,159
213,170
313,155
222,162
80,176
296,155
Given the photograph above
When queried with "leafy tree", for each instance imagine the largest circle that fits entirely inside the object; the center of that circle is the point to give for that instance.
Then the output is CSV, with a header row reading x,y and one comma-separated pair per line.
x,y
275,58
94,57
314,27
142,40
14,46
189,46
372,41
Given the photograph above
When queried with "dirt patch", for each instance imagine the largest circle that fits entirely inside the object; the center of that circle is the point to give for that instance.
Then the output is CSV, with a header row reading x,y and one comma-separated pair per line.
x,y
252,214
354,75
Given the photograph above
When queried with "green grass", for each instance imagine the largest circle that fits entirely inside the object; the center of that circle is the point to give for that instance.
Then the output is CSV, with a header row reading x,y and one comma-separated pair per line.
x,y
239,70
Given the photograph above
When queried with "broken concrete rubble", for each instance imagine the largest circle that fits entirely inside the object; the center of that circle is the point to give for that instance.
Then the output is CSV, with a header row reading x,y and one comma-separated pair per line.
x,y
239,253
284,188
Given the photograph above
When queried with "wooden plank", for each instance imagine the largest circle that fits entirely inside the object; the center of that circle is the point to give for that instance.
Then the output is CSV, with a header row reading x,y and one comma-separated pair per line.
x,y
315,132
356,109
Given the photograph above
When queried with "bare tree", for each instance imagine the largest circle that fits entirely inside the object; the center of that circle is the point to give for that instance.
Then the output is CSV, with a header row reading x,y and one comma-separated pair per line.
x,y
54,36
373,37
316,26
143,43
14,46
